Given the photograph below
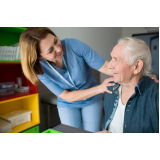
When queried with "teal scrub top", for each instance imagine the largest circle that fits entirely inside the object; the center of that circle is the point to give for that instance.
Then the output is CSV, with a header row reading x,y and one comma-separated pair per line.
x,y
76,73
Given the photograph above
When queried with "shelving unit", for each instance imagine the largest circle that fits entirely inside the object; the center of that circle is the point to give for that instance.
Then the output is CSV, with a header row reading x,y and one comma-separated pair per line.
x,y
9,71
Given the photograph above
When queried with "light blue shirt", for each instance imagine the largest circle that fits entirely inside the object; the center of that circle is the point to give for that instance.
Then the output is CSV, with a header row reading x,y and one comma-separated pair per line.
x,y
78,57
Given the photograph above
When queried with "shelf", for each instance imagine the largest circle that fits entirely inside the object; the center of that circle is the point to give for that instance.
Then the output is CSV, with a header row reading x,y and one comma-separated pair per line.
x,y
10,35
9,62
15,30
9,71
15,96
24,126
29,102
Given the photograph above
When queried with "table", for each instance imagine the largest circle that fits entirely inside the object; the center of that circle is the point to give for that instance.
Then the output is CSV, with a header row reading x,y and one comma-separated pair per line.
x,y
68,129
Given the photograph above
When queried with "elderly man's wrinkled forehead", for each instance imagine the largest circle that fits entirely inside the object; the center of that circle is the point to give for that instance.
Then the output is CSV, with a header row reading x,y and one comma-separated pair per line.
x,y
118,52
119,47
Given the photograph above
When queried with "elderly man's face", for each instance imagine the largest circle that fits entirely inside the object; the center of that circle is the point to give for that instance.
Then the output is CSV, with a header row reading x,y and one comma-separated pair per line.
x,y
122,71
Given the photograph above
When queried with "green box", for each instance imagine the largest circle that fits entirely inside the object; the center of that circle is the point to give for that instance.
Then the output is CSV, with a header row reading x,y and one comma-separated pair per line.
x,y
51,131
32,130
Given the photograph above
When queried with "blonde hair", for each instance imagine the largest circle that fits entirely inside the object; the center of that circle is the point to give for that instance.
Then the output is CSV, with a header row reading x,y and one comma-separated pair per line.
x,y
136,49
30,51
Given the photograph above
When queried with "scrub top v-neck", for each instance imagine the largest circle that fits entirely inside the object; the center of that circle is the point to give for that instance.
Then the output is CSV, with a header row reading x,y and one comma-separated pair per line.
x,y
63,71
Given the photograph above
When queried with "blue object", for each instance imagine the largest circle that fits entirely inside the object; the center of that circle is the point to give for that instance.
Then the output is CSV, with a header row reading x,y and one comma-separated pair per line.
x,y
152,40
78,57
142,115
91,116
155,55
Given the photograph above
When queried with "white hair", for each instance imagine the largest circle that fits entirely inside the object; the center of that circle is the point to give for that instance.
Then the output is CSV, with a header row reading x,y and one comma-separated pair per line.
x,y
137,49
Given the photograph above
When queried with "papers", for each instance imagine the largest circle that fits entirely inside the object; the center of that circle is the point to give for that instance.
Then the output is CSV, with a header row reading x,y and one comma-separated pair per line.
x,y
10,53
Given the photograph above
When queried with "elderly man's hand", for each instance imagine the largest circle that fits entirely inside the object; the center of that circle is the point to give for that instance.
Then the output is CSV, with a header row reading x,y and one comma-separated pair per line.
x,y
105,131
154,78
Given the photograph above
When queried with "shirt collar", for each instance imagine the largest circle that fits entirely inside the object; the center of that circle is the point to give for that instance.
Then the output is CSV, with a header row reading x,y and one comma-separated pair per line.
x,y
142,84
115,88
139,88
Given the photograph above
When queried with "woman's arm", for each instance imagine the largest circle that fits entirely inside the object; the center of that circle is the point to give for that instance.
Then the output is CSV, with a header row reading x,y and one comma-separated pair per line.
x,y
78,95
104,69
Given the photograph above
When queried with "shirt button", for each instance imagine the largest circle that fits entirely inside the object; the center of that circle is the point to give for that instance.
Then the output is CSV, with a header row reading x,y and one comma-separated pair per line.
x,y
109,118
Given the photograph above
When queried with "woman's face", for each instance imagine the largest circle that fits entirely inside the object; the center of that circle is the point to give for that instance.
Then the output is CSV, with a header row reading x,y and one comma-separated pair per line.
x,y
51,48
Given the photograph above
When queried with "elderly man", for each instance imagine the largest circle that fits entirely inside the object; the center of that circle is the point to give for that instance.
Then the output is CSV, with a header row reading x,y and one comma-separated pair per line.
x,y
133,106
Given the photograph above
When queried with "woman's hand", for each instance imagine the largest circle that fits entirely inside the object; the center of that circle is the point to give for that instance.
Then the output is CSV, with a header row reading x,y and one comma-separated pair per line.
x,y
78,95
103,87
154,78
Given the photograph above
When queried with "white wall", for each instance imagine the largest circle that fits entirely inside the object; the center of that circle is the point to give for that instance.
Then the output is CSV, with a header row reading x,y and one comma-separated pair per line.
x,y
100,39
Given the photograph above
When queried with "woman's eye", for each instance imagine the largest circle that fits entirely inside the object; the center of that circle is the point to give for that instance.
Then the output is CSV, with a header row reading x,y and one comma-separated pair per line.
x,y
51,50
55,41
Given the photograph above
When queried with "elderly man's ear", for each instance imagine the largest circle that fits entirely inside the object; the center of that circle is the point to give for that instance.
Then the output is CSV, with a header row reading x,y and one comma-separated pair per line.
x,y
138,66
